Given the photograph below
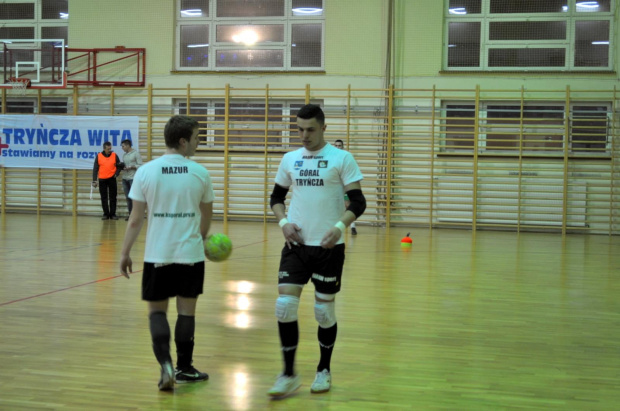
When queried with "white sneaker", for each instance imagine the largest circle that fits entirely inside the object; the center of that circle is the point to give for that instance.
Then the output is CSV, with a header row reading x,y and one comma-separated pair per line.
x,y
166,382
322,382
285,385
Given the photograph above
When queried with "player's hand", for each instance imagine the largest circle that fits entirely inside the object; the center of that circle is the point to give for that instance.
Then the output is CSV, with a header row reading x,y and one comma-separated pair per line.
x,y
330,238
126,265
95,184
291,235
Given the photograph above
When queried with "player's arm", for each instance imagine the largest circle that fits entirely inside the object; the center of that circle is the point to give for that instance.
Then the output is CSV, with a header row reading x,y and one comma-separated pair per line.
x,y
289,230
96,171
138,160
356,207
134,226
118,166
206,213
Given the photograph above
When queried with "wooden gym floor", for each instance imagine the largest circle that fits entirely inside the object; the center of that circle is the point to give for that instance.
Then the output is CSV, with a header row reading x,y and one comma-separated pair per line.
x,y
476,321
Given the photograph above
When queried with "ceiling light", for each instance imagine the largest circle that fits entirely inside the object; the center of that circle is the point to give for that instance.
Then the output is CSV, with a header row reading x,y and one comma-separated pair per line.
x,y
307,11
458,10
191,13
247,37
587,5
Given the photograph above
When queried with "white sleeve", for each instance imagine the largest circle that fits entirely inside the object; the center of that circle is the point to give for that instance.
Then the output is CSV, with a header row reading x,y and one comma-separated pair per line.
x,y
350,172
283,178
136,187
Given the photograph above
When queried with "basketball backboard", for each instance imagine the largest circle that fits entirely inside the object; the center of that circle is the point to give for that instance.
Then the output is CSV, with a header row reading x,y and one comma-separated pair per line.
x,y
38,63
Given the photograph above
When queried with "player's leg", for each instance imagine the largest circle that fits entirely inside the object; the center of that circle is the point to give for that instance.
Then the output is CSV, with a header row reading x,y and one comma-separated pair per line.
x,y
155,287
103,193
191,279
325,314
293,274
160,336
287,305
327,284
113,194
126,190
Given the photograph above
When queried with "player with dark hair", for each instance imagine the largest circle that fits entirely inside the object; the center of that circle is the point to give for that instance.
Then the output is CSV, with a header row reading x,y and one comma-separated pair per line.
x,y
179,196
106,168
319,175
340,144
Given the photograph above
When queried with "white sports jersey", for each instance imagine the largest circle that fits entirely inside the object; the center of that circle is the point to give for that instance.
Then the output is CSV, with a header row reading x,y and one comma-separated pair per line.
x,y
178,185
317,180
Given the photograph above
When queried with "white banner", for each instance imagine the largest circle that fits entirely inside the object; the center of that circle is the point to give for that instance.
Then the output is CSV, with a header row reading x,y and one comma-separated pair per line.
x,y
39,141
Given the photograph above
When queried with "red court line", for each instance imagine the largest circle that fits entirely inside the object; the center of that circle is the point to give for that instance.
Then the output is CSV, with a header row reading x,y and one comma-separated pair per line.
x,y
94,282
64,289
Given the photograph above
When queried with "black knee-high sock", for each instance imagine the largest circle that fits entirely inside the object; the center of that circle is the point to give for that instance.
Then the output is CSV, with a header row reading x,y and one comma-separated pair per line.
x,y
327,338
289,338
184,339
160,335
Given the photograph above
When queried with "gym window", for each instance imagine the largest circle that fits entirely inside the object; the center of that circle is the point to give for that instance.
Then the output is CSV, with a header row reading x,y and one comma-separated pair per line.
x,y
496,35
28,105
38,19
241,35
504,128
251,126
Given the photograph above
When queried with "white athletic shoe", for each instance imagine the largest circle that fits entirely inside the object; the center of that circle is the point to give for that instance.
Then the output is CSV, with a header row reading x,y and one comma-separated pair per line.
x,y
322,382
285,385
166,382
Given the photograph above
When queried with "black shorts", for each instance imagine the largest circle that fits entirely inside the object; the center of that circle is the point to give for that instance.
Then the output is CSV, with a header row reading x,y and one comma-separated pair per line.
x,y
304,262
161,283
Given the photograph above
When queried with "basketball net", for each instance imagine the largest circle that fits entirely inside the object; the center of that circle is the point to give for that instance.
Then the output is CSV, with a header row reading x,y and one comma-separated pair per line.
x,y
18,86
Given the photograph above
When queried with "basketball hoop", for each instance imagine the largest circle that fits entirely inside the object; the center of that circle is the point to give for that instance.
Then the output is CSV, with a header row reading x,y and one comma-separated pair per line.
x,y
18,85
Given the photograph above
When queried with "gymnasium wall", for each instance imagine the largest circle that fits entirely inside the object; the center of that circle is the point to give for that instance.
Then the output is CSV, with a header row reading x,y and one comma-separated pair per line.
x,y
398,134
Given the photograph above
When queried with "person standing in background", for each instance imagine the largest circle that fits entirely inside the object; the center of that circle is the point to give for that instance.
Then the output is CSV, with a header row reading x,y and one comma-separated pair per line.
x,y
132,161
105,170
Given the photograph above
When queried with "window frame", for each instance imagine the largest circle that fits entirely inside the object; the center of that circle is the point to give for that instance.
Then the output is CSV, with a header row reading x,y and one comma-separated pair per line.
x,y
37,22
484,126
570,17
288,20
209,139
33,107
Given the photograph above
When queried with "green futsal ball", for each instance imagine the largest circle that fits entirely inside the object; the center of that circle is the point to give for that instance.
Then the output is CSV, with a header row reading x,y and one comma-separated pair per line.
x,y
218,247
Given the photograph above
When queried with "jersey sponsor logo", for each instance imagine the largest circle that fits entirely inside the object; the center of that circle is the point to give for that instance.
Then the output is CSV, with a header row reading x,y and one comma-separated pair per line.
x,y
175,215
314,182
323,164
312,157
319,277
298,165
174,170
309,173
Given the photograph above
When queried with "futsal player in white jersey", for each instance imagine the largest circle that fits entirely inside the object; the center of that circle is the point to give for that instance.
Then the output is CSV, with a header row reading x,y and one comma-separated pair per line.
x,y
319,176
179,196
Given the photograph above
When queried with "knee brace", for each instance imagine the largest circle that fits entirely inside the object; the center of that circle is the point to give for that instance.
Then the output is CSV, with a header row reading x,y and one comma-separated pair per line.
x,y
286,308
325,313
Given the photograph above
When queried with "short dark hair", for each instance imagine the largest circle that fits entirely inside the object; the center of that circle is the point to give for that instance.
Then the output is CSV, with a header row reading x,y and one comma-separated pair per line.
x,y
107,144
310,111
179,127
339,141
127,141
